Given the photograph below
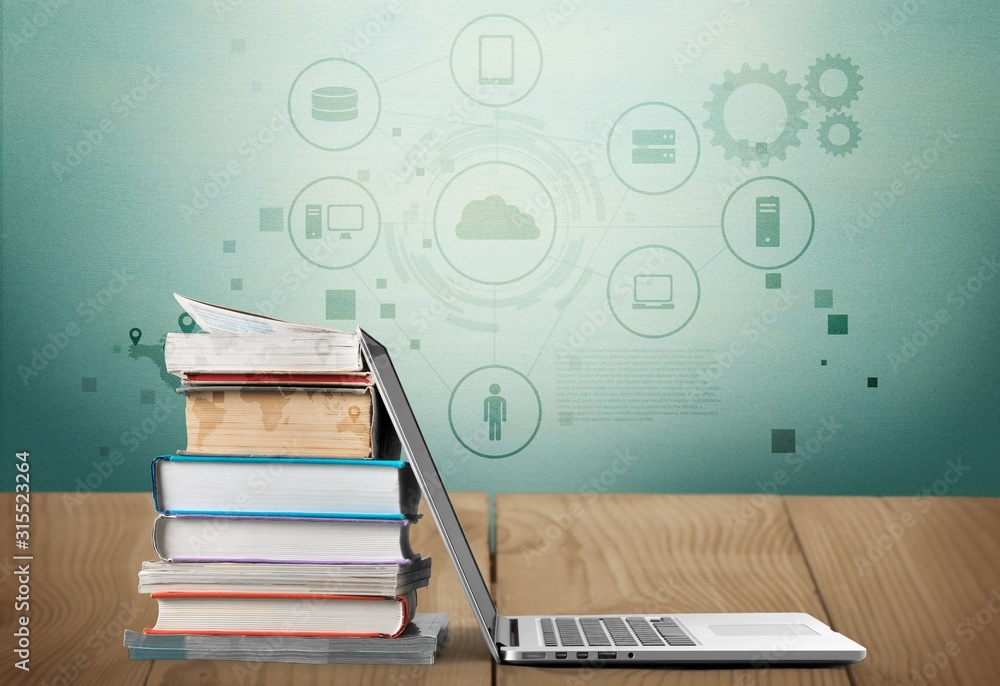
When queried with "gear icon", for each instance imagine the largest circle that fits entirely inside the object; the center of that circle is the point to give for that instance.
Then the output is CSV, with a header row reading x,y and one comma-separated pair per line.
x,y
853,137
761,152
830,63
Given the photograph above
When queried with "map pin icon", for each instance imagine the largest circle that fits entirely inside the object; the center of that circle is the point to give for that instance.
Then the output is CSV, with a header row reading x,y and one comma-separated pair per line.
x,y
135,335
186,322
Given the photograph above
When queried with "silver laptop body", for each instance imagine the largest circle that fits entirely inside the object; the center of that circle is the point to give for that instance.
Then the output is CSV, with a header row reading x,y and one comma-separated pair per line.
x,y
755,639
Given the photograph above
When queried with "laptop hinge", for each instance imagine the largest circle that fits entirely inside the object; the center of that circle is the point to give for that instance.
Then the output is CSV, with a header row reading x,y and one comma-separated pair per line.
x,y
506,631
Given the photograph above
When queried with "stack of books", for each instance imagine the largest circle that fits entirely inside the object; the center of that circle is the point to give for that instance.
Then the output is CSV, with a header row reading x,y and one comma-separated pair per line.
x,y
283,528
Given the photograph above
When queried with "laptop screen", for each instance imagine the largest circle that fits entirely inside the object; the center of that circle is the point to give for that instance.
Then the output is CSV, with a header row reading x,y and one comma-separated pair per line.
x,y
405,423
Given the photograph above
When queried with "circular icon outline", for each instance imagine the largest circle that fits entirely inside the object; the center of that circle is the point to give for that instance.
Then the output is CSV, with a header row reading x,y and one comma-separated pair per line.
x,y
812,221
378,112
454,76
451,400
697,157
548,249
697,301
378,216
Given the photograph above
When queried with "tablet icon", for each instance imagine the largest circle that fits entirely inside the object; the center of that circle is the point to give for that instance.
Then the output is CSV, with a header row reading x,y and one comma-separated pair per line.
x,y
496,59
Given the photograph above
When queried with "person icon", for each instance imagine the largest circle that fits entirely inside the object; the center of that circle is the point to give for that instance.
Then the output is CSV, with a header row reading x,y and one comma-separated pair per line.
x,y
495,411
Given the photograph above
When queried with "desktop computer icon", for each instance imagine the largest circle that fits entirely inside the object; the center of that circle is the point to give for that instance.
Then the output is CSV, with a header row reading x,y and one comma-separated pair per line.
x,y
314,221
653,292
345,219
768,221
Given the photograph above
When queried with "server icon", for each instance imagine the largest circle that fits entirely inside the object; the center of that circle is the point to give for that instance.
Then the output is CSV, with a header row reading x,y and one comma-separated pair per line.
x,y
314,221
768,221
654,146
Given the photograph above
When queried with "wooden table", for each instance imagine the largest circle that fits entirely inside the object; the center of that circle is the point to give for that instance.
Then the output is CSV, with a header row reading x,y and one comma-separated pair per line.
x,y
917,581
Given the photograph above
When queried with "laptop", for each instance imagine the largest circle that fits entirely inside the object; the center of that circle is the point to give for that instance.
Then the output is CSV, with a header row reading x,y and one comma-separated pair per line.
x,y
708,639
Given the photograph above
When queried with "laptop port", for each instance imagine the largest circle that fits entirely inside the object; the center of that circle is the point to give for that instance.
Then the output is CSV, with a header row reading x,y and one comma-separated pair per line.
x,y
606,655
560,656
582,656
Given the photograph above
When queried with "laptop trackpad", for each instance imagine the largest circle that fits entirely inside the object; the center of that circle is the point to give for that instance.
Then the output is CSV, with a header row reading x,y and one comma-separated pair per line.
x,y
761,630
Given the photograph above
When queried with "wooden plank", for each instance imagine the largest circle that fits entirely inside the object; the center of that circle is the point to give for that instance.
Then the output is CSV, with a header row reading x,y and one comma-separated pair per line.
x,y
619,553
915,580
87,551
465,659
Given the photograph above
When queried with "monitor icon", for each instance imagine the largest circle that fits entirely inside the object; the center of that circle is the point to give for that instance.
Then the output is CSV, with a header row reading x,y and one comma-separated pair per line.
x,y
653,292
345,219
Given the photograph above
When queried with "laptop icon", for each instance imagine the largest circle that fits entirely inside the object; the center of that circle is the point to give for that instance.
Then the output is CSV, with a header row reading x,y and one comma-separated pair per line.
x,y
653,292
539,640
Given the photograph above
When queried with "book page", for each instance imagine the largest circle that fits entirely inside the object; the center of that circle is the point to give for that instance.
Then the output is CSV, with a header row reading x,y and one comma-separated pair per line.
x,y
216,319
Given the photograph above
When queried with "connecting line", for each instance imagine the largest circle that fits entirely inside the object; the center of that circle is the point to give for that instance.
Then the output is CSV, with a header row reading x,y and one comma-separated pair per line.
x,y
494,325
710,260
410,71
428,118
405,151
419,352
586,266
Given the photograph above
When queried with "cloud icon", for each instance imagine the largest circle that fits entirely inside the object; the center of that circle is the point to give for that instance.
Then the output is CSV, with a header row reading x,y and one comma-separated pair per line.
x,y
494,219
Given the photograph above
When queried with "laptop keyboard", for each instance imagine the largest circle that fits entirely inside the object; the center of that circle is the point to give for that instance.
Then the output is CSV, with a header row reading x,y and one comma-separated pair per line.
x,y
612,631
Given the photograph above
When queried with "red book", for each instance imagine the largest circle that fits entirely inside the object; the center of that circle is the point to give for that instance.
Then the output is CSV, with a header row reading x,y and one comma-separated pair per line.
x,y
358,379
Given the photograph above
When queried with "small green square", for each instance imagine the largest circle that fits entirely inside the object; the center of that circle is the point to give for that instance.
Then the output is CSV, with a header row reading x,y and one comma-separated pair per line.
x,y
147,396
772,280
872,382
428,243
236,284
388,311
782,440
271,218
761,148
420,171
822,363
836,324
824,298
228,246
396,132
341,304
89,384
381,283
414,344
104,451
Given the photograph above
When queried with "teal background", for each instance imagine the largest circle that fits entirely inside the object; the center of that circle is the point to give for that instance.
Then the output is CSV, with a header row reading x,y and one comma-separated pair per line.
x,y
927,68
